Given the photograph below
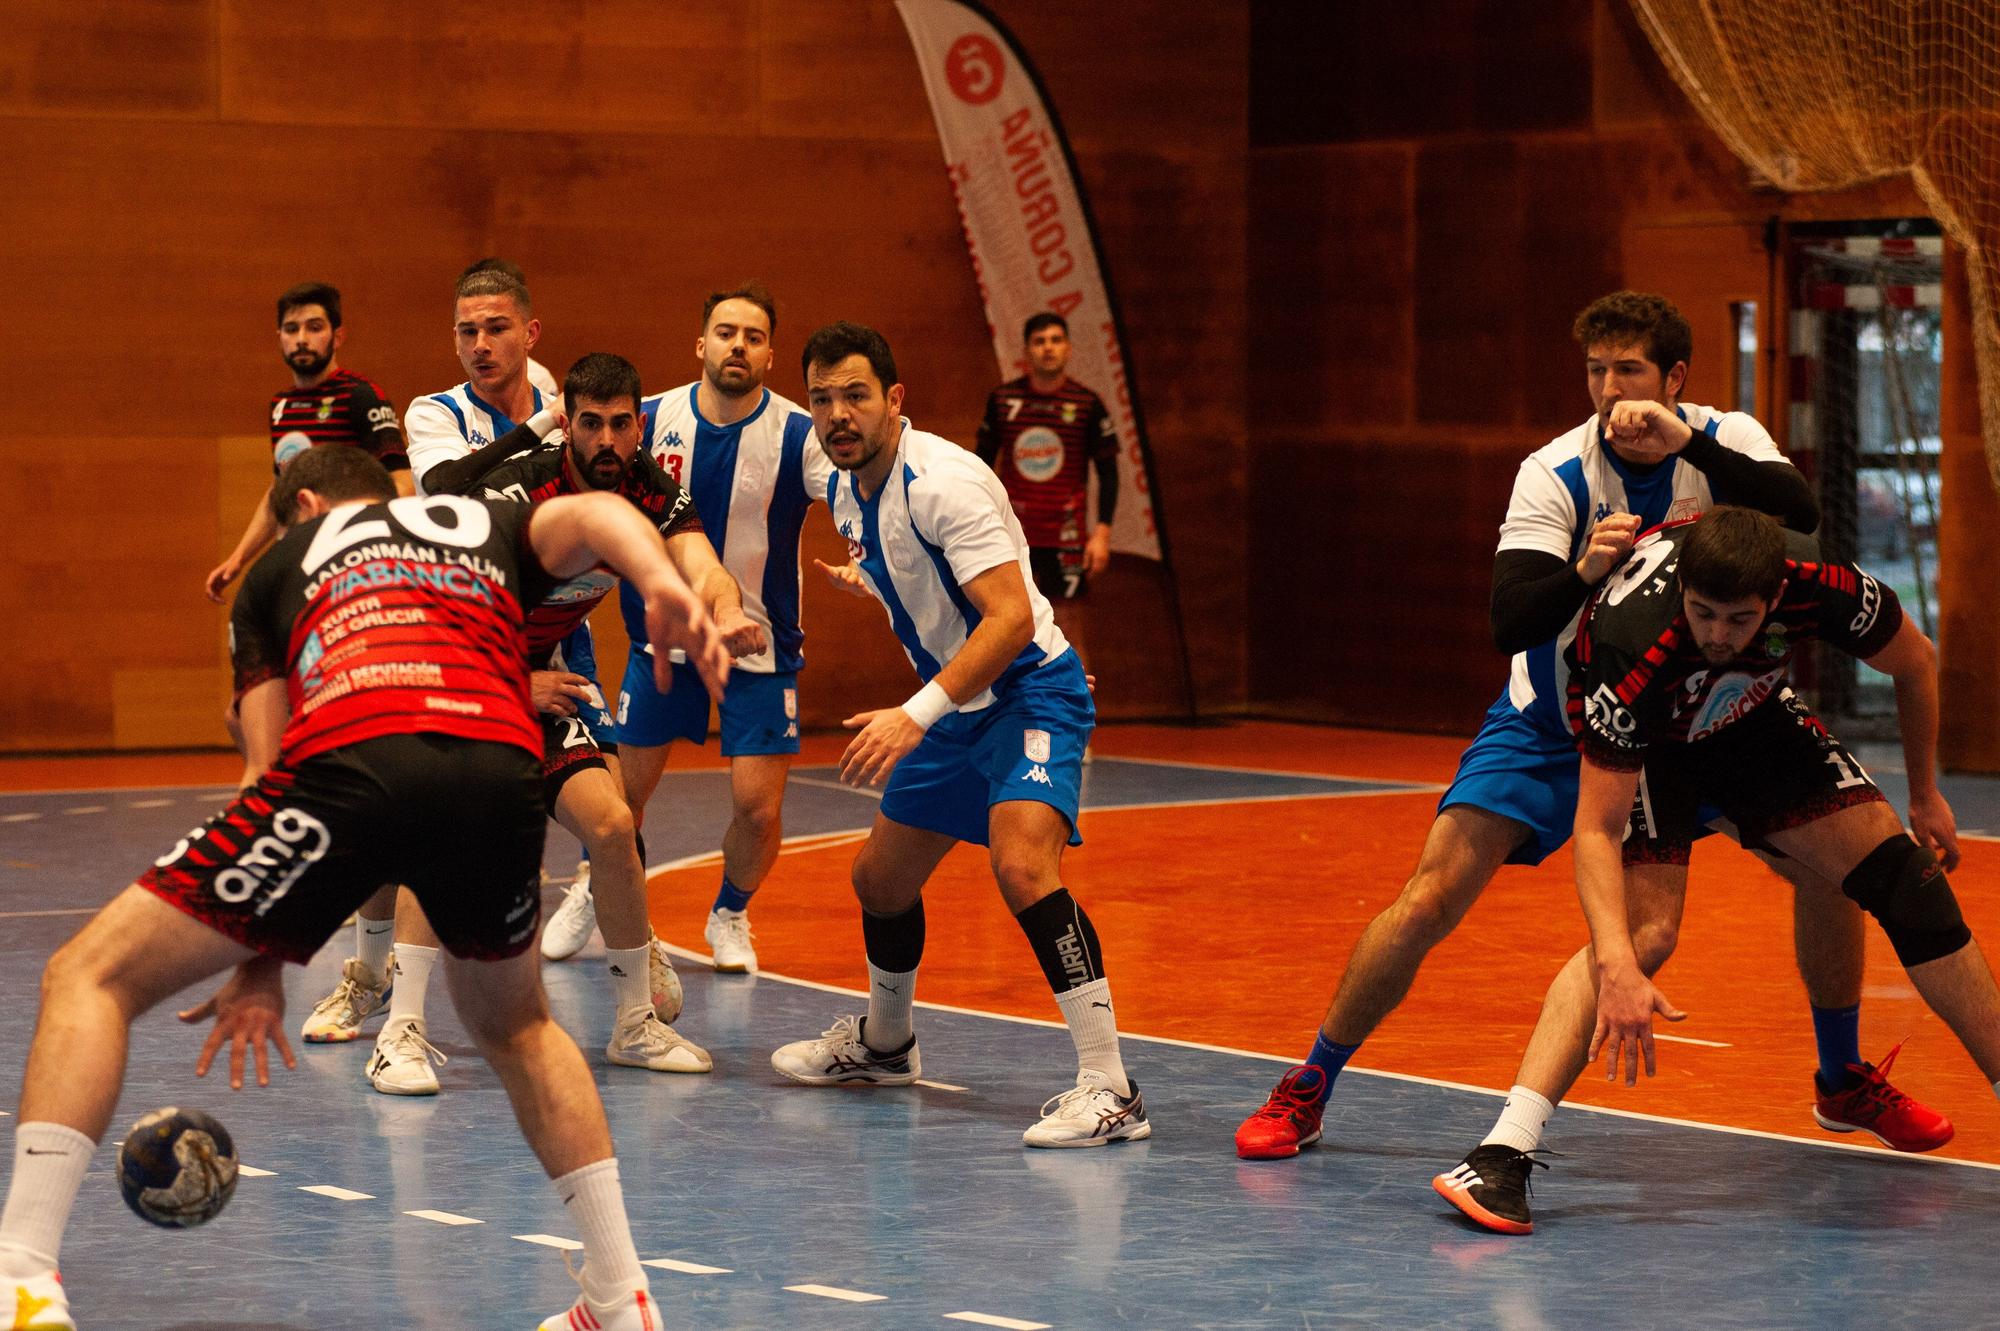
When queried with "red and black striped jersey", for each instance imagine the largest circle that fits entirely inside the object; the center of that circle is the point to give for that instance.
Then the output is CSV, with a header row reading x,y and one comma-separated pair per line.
x,y
1042,446
533,477
343,408
1637,677
395,618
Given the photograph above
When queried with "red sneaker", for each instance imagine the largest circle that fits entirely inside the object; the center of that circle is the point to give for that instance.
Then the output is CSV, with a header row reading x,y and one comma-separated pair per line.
x,y
1875,1107
1288,1121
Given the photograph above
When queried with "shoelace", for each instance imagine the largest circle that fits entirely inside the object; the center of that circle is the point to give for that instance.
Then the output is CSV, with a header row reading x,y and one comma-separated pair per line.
x,y
410,1043
1288,1099
1875,1087
1528,1158
845,1030
1055,1104
736,929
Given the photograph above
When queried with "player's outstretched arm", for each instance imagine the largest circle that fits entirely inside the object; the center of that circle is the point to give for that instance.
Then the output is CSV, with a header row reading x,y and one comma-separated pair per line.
x,y
695,558
1626,999
1910,659
258,533
576,533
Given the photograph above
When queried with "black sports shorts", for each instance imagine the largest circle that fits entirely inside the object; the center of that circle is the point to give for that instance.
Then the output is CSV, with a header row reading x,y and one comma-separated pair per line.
x,y
1777,768
458,820
1058,571
567,748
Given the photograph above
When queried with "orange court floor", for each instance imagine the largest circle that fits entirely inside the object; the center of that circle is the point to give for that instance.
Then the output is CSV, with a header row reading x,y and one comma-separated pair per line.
x,y
1227,923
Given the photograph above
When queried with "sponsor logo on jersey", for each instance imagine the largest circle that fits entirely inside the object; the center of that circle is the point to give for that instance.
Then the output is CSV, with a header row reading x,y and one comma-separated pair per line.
x,y
382,415
1871,605
309,655
1069,413
1610,718
1038,454
326,408
289,446
275,862
1683,508
1035,744
477,438
1730,698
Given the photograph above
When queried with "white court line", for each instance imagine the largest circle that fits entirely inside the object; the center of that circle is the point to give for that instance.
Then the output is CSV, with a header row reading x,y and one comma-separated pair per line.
x,y
835,1292
824,784
988,1319
687,1268
19,817
338,1194
251,1171
1689,1039
88,808
1258,771
149,804
551,1241
1412,1078
445,1217
38,914
941,1085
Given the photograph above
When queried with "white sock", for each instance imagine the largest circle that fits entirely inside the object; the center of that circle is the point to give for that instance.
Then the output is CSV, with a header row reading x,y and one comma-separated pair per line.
x,y
892,996
49,1163
631,983
373,941
1093,1025
1521,1122
596,1203
413,976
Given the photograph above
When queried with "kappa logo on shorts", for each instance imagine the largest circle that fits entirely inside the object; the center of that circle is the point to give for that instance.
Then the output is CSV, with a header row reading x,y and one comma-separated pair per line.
x,y
1035,744
1039,774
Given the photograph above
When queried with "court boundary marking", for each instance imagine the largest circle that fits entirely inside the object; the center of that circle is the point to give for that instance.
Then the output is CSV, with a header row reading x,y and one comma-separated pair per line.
x,y
788,846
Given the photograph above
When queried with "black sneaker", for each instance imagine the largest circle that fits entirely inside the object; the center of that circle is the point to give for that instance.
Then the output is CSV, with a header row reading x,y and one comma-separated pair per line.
x,y
1491,1187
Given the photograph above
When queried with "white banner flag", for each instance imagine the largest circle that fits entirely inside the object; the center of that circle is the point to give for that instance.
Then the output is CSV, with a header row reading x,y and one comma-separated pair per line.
x,y
1025,222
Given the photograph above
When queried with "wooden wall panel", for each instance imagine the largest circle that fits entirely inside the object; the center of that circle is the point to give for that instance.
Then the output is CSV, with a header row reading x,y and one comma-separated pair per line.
x,y
647,155
108,58
1331,330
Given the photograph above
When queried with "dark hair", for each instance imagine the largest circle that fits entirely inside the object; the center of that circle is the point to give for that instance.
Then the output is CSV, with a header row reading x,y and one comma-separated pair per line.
x,y
492,264
1046,319
311,293
494,277
601,377
836,342
754,292
1625,317
1733,554
334,472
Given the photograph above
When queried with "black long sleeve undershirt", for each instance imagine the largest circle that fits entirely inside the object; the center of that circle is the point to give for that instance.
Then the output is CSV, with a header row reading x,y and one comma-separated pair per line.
x,y
460,475
1535,594
1107,484
1776,488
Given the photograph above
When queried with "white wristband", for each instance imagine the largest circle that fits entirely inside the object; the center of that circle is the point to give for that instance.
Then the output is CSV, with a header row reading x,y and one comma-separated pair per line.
x,y
929,703
542,422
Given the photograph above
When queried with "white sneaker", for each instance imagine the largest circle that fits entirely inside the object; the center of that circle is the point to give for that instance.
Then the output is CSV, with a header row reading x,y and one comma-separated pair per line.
x,y
360,994
633,1310
401,1064
570,924
39,1302
642,1040
1091,1115
728,935
668,997
839,1056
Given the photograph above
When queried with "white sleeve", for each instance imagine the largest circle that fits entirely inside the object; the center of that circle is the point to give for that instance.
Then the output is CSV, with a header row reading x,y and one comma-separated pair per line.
x,y
964,518
1541,514
1745,434
539,376
818,470
434,437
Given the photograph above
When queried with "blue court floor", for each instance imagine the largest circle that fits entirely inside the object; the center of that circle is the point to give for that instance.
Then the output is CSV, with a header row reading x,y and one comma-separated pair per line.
x,y
764,1204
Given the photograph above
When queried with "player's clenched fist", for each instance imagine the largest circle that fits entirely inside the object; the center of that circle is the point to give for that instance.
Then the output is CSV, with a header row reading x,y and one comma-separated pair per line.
x,y
1646,431
1610,541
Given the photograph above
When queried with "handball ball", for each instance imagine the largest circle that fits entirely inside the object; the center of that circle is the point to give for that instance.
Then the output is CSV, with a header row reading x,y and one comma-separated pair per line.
x,y
177,1168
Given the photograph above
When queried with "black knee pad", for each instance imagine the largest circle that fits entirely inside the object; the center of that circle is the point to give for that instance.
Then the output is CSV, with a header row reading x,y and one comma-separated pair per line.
x,y
1902,886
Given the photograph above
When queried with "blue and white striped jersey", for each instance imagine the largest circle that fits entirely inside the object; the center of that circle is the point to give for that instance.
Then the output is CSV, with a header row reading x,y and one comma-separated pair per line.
x,y
752,483
443,427
1564,487
940,520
